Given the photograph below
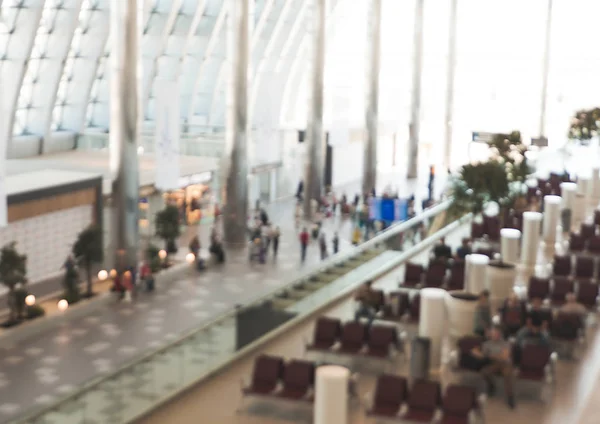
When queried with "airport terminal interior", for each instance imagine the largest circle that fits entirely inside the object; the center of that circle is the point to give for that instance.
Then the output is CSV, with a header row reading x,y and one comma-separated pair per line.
x,y
299,211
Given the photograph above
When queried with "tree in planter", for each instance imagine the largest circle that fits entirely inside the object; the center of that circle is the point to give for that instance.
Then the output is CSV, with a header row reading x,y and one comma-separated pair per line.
x,y
13,274
584,125
88,250
71,285
153,258
167,227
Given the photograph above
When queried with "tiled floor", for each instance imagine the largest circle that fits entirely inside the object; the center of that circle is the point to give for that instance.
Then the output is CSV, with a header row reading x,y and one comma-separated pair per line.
x,y
40,370
213,401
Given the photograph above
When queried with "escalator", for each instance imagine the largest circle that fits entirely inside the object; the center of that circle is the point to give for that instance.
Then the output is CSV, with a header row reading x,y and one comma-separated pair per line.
x,y
306,288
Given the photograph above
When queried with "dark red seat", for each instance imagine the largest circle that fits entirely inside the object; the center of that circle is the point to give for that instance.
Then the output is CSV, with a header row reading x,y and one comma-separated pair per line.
x,y
298,377
477,231
588,230
534,359
597,217
435,275
424,399
414,311
562,266
491,227
391,392
542,183
594,244
457,404
456,281
378,299
584,268
486,252
532,193
412,275
561,286
353,337
538,288
466,360
576,243
265,377
381,339
326,333
587,294
567,326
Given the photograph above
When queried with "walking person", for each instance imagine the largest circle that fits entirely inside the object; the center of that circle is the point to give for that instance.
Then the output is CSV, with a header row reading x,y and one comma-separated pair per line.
x,y
304,238
275,234
336,243
323,246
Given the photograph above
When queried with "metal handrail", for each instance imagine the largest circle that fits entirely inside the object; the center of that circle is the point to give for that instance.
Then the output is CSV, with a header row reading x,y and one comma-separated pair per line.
x,y
334,260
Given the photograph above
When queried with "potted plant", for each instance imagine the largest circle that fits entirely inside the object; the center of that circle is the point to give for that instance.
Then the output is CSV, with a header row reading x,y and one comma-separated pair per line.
x,y
71,286
88,250
13,274
584,125
167,227
153,259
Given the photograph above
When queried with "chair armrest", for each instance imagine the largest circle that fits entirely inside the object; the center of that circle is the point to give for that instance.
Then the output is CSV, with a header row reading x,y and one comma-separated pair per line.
x,y
452,360
481,401
367,401
496,320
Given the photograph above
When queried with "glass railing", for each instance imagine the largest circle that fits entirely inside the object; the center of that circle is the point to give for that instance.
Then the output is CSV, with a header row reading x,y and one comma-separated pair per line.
x,y
141,385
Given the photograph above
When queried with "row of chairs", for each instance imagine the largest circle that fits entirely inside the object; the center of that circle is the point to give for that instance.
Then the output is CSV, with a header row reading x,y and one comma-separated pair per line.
x,y
488,229
415,275
580,243
274,378
576,266
533,363
555,290
355,339
423,402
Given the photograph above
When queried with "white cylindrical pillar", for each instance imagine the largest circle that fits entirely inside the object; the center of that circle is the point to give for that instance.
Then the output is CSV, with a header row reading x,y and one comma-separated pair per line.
x,y
475,273
510,239
552,206
461,307
500,280
584,186
568,192
331,395
579,207
432,322
595,183
532,222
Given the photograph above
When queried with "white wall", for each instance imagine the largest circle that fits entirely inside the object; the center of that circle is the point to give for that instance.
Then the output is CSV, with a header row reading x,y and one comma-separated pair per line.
x,y
47,239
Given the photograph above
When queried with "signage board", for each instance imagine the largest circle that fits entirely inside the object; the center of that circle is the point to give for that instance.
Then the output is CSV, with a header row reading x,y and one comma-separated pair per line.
x,y
539,141
482,137
201,178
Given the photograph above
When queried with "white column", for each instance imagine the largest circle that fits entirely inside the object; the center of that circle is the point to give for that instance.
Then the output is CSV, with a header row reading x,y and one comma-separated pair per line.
x,y
475,273
532,222
331,395
432,322
500,280
510,245
579,207
584,185
461,308
595,182
552,206
568,191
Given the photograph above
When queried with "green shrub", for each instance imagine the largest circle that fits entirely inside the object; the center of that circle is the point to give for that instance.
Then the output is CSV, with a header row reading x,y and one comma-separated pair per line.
x,y
34,311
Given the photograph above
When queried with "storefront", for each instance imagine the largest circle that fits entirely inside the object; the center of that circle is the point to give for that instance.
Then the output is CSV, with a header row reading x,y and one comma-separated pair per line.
x,y
194,198
263,184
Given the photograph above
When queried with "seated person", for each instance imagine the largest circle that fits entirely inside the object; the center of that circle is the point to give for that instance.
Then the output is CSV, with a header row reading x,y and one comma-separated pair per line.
x,y
572,306
483,315
442,250
513,314
367,302
537,311
533,332
464,249
497,353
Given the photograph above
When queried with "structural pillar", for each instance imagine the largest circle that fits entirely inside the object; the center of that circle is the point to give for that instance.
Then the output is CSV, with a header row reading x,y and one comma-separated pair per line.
x,y
235,158
331,392
595,188
433,315
532,222
372,112
501,279
313,180
124,120
552,206
475,273
546,71
568,192
415,110
510,239
450,83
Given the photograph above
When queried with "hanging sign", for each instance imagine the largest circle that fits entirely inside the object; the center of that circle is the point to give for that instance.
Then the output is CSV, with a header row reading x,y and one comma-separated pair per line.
x,y
167,136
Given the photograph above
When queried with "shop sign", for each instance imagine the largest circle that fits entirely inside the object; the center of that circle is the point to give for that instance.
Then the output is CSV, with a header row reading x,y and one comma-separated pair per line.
x,y
259,169
201,178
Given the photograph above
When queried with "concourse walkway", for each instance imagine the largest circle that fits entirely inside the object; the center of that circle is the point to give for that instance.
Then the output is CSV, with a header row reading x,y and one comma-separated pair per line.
x,y
42,369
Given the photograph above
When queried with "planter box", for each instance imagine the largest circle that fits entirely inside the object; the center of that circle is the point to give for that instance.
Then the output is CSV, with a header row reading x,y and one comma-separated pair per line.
x,y
461,307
